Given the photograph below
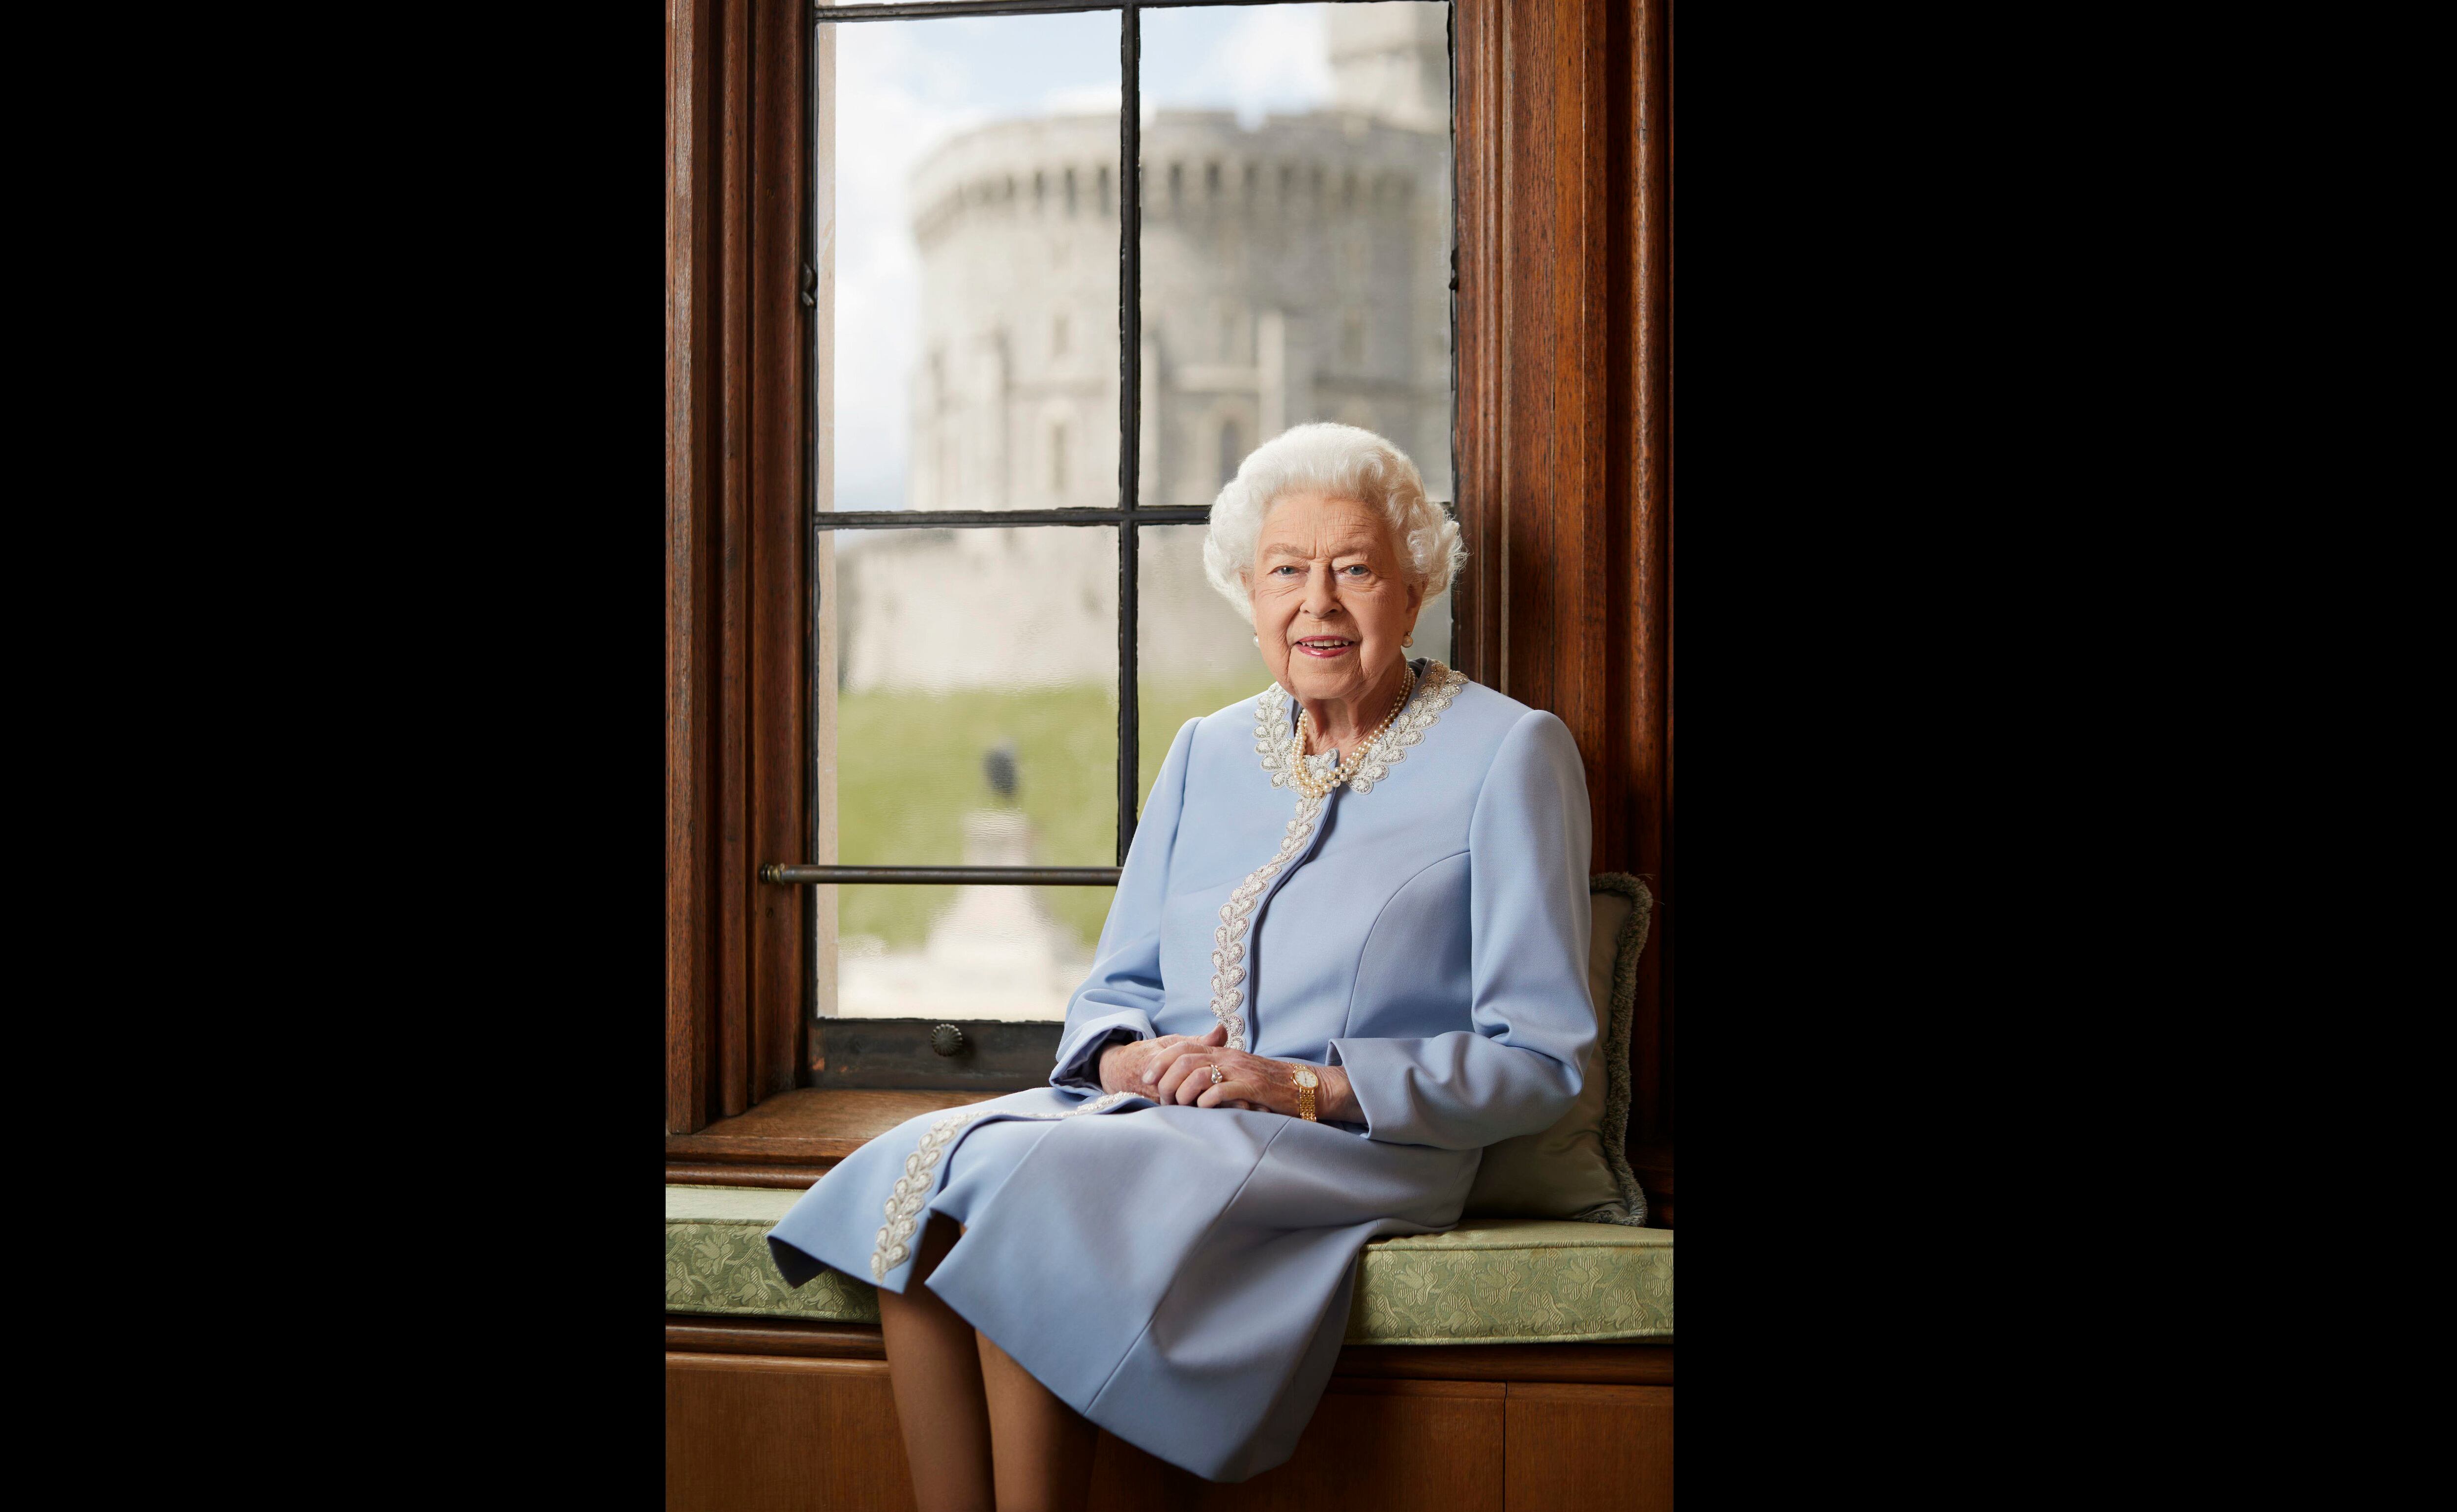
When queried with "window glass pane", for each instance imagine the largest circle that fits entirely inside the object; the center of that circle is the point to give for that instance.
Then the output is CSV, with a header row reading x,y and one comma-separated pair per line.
x,y
1296,234
959,952
974,253
968,717
977,675
1195,653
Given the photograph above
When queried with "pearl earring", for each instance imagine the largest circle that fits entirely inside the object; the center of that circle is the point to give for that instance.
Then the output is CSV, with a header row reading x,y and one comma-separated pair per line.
x,y
1407,640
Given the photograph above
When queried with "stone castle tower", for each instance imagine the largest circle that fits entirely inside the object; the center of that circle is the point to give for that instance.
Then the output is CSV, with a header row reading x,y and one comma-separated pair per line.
x,y
1293,272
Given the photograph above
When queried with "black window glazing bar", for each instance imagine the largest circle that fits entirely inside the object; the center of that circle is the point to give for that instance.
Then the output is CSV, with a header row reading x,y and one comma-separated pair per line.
x,y
1130,388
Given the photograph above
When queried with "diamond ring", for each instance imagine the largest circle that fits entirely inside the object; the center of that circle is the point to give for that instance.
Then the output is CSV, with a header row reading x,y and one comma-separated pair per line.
x,y
1218,1076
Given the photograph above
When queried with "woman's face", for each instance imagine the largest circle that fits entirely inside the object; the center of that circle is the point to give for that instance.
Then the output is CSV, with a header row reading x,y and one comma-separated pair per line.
x,y
1332,599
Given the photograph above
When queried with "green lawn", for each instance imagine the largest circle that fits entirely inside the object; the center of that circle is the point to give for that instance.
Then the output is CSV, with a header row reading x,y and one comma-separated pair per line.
x,y
910,765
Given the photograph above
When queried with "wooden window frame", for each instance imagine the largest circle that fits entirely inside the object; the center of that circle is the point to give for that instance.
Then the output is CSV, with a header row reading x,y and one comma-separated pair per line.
x,y
1564,469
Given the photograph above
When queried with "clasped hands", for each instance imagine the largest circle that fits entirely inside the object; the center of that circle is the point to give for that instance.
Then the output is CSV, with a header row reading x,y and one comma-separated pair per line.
x,y
1177,1068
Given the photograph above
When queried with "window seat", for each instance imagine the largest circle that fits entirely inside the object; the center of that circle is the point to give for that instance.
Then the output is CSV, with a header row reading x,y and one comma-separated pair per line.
x,y
1488,1281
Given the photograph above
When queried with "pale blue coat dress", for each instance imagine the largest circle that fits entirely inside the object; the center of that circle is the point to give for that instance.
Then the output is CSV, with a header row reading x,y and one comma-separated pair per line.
x,y
1180,1275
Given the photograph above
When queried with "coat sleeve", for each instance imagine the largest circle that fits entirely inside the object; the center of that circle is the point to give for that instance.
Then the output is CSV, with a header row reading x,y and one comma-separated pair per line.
x,y
1521,1066
1123,991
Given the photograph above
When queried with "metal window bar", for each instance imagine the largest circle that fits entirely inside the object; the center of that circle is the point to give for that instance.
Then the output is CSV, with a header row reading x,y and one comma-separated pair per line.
x,y
1126,518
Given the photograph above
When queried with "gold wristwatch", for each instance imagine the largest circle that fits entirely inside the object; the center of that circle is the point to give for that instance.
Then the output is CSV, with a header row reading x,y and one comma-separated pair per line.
x,y
1307,1081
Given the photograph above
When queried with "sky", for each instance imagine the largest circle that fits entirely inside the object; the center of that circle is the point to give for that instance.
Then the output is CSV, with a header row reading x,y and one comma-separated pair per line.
x,y
906,86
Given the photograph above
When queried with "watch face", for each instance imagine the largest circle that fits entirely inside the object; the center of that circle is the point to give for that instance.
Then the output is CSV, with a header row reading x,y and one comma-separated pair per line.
x,y
1306,1078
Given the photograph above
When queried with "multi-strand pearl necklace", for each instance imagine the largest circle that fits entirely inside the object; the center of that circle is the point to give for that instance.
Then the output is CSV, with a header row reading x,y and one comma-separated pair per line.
x,y
1314,787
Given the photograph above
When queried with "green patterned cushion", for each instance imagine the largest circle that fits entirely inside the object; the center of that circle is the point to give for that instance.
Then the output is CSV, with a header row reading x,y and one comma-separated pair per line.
x,y
1488,1281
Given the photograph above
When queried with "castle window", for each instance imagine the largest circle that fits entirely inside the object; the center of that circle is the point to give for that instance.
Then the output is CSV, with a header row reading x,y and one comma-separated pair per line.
x,y
1351,339
1071,191
1058,337
1211,181
1232,451
1058,459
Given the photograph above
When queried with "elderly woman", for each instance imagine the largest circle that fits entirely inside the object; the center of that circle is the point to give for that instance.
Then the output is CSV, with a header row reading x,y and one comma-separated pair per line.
x,y
1347,953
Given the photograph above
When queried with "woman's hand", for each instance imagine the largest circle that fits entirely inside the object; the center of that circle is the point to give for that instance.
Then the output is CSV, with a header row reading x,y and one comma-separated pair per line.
x,y
1177,1068
1136,1064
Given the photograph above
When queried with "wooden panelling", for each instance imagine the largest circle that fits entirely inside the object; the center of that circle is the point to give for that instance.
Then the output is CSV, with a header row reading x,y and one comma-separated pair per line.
x,y
779,1337
1640,410
1578,1448
817,1427
1621,1364
1476,608
1617,1364
779,543
737,550
1371,1444
692,345
750,1434
733,562
1564,423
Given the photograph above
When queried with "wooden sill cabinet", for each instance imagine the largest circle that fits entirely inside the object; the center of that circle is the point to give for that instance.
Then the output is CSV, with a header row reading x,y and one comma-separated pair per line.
x,y
773,1414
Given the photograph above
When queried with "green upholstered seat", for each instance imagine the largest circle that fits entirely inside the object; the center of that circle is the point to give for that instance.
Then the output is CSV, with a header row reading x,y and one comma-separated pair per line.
x,y
1488,1281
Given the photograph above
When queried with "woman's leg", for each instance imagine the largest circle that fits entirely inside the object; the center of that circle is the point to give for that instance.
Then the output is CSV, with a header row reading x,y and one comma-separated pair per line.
x,y
935,1373
1045,1447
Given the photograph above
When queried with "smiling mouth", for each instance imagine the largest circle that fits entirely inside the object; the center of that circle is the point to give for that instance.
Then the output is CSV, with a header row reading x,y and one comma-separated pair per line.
x,y
1325,645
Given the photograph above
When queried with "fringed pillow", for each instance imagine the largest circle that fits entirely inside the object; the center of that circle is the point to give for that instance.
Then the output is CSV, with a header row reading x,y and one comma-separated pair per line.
x,y
1579,1168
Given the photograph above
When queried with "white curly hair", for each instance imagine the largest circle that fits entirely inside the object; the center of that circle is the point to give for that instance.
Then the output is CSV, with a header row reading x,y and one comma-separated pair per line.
x,y
1346,462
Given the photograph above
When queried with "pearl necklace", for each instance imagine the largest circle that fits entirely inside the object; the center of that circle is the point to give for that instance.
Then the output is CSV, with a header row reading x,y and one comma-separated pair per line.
x,y
1302,775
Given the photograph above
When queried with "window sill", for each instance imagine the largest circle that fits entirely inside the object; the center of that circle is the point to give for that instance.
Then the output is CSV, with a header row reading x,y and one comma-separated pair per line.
x,y
792,1138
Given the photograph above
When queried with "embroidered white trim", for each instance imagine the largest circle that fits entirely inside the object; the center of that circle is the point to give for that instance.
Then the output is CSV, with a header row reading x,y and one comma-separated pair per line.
x,y
1272,736
1435,691
1275,743
1236,921
912,1190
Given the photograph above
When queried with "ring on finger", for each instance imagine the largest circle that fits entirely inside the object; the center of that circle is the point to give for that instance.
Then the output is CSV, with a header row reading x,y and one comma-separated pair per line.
x,y
1218,1076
